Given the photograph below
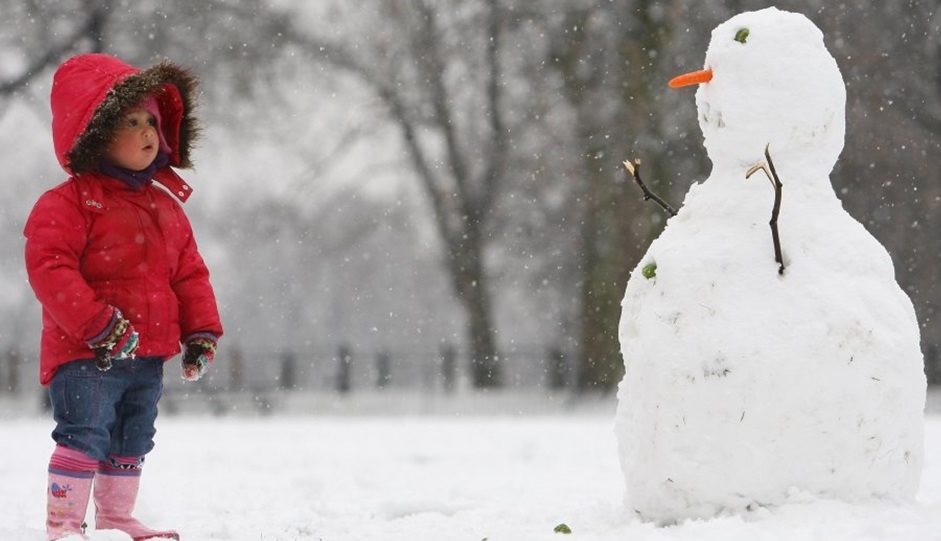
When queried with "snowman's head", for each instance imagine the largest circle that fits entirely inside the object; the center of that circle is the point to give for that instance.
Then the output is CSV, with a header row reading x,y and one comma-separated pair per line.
x,y
772,82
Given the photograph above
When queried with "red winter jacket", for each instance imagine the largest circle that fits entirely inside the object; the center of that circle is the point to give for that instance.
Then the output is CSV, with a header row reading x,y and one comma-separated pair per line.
x,y
93,242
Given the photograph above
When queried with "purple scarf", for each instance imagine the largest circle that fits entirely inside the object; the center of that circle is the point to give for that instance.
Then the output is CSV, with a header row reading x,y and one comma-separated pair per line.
x,y
135,179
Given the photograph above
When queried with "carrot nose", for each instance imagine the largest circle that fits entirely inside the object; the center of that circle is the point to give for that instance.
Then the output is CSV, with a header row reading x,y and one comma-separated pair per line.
x,y
692,78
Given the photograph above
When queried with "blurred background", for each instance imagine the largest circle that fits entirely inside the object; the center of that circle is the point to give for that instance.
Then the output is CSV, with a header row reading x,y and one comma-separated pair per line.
x,y
427,195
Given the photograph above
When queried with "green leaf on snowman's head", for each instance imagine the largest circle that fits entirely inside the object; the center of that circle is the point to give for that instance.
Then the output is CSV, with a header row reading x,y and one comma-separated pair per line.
x,y
741,35
649,271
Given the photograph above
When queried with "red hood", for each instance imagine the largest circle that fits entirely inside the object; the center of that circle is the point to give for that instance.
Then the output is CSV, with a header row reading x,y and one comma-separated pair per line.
x,y
91,92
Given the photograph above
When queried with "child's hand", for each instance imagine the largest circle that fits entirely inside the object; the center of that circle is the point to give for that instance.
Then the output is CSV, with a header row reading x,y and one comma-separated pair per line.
x,y
117,341
197,357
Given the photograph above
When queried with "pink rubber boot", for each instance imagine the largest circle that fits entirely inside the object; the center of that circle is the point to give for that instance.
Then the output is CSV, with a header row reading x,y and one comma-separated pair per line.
x,y
115,496
70,480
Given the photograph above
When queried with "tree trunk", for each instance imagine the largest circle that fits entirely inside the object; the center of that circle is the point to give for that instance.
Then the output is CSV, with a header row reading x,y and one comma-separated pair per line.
x,y
608,253
470,286
607,64
485,362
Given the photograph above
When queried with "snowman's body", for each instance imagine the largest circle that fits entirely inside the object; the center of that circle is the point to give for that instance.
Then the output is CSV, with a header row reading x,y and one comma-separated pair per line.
x,y
744,386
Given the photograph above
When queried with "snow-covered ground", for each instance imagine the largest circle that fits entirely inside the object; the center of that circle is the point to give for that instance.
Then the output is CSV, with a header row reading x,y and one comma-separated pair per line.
x,y
494,468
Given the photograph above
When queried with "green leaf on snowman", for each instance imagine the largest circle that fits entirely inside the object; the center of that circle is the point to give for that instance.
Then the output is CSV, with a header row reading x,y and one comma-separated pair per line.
x,y
649,271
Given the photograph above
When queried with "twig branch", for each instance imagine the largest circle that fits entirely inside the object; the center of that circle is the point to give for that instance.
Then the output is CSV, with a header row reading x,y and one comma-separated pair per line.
x,y
634,170
772,175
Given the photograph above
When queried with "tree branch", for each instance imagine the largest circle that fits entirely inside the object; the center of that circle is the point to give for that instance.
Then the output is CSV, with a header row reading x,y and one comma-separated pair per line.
x,y
54,54
776,209
342,58
496,156
430,47
634,170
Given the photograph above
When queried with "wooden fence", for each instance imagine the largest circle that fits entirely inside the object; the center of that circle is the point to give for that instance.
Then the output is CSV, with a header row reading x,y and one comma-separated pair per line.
x,y
341,370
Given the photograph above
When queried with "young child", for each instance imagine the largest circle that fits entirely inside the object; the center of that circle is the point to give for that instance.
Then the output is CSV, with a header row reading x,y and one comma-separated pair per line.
x,y
112,260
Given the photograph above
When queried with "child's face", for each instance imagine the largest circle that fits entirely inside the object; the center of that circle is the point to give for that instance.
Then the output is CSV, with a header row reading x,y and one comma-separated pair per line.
x,y
135,142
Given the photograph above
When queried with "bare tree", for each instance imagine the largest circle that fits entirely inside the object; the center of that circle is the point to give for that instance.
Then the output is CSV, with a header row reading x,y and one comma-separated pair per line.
x,y
439,75
42,47
614,60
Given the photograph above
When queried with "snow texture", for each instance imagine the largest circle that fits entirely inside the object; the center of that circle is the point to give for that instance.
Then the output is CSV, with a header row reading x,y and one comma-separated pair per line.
x,y
746,388
436,477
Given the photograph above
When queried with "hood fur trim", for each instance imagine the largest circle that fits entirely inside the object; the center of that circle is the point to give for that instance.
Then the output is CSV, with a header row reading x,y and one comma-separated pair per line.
x,y
169,83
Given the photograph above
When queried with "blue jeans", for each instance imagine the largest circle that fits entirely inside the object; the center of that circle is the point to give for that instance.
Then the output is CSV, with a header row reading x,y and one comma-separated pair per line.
x,y
109,413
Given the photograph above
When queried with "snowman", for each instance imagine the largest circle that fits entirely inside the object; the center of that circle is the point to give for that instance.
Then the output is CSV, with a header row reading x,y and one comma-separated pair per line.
x,y
752,382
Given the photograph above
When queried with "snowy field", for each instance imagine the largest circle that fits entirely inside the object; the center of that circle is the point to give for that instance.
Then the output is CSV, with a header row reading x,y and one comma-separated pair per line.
x,y
493,469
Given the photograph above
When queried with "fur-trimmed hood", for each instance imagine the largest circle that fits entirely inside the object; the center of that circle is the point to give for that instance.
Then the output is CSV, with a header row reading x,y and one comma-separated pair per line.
x,y
90,93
